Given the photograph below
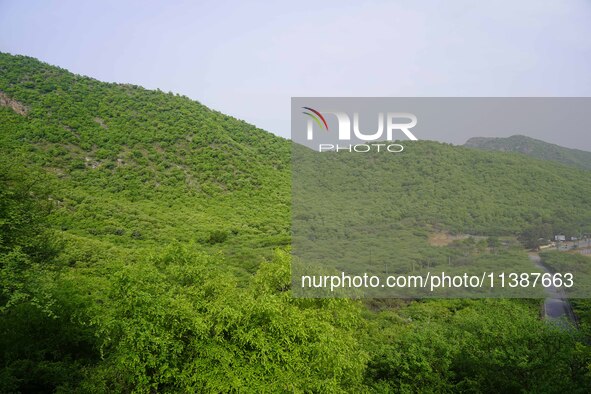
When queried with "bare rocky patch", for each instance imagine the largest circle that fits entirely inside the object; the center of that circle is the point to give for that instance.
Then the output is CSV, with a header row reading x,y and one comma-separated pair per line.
x,y
19,108
100,122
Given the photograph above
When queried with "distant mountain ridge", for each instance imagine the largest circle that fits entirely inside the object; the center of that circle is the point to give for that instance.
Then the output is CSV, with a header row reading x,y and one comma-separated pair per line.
x,y
534,148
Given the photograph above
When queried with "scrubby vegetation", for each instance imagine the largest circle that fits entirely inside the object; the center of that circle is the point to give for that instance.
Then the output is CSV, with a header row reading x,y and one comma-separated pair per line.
x,y
144,248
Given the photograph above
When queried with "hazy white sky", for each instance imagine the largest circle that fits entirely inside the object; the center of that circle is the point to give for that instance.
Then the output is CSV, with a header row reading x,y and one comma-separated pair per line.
x,y
247,58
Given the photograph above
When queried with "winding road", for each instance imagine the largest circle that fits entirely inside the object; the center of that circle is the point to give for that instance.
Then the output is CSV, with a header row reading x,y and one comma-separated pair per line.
x,y
557,308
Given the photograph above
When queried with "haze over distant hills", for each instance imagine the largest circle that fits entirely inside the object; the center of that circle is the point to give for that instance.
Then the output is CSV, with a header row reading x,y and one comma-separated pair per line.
x,y
534,148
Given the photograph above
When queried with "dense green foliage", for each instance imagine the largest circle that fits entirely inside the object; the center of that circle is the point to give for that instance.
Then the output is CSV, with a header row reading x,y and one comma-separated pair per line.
x,y
25,244
473,346
534,148
178,323
376,211
465,190
143,248
130,162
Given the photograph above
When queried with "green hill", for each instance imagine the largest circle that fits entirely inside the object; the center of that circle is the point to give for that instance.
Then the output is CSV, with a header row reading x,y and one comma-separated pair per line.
x,y
534,148
139,166
144,247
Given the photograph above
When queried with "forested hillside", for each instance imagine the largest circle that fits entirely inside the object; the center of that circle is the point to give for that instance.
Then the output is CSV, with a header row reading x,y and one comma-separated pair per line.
x,y
139,166
534,148
144,247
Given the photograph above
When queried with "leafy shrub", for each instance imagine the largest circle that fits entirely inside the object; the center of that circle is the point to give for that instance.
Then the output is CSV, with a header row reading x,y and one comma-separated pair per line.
x,y
217,237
